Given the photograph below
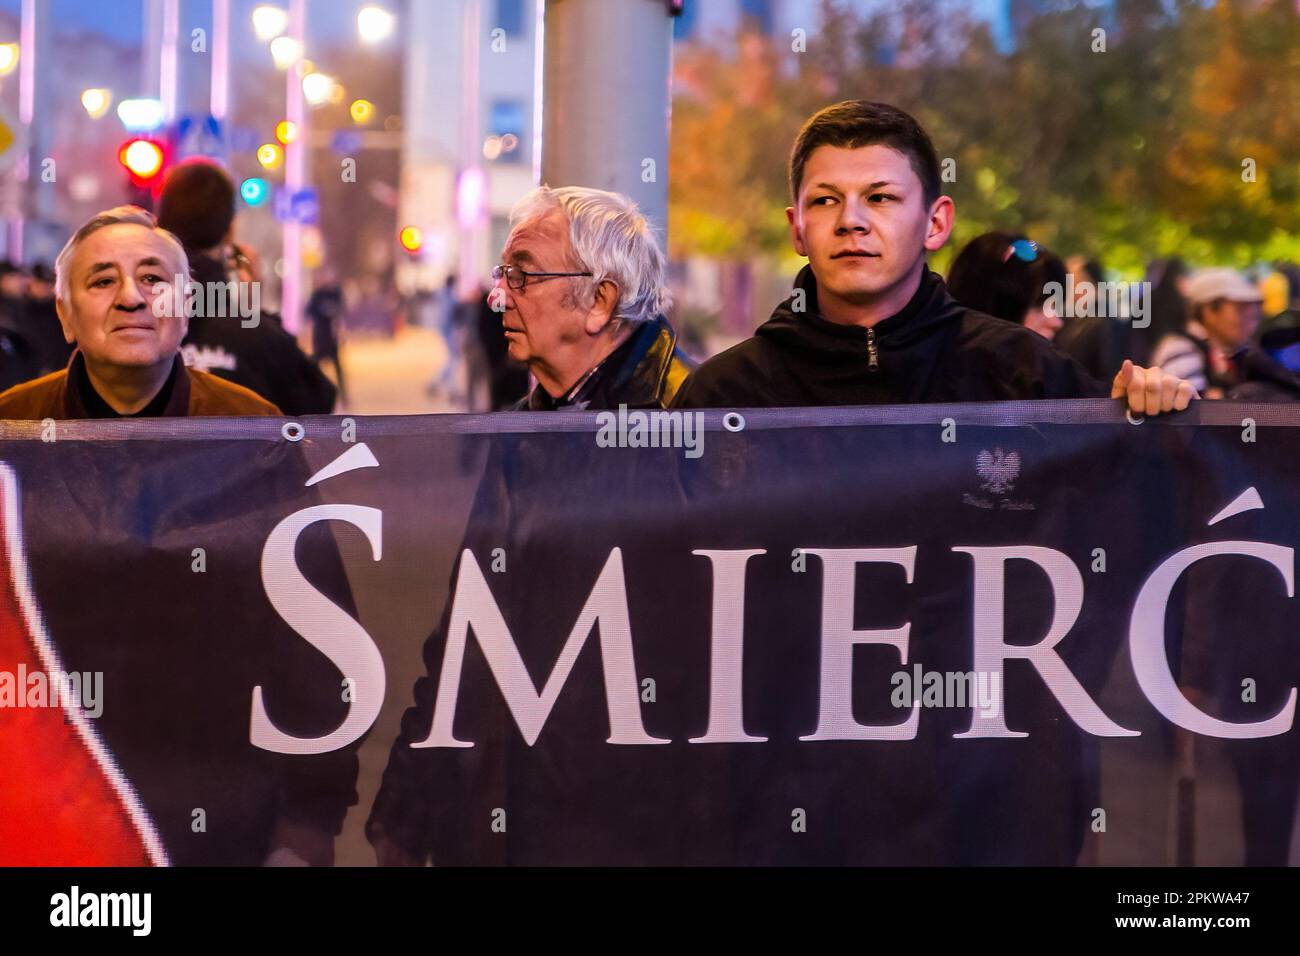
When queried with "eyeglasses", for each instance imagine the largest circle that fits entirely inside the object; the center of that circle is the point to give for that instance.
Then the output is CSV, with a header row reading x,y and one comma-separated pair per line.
x,y
516,278
1026,250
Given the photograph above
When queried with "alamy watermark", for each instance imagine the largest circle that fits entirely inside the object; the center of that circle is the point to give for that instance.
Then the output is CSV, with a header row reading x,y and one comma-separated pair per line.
x,y
981,690
1113,300
218,300
24,688
652,429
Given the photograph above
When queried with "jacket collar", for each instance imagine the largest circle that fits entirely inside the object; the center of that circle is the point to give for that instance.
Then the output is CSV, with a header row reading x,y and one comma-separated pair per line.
x,y
797,322
632,375
178,403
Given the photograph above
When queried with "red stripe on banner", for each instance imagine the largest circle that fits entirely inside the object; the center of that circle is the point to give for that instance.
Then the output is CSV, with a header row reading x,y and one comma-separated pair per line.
x,y
57,805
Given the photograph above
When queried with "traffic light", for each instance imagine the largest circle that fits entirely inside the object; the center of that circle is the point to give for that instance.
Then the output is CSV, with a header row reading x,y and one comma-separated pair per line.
x,y
411,239
144,159
255,191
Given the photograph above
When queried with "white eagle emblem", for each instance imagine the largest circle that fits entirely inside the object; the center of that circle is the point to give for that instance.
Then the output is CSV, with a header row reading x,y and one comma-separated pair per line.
x,y
998,471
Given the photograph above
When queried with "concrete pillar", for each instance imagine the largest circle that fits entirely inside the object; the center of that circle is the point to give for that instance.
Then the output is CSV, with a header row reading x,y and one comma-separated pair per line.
x,y
606,99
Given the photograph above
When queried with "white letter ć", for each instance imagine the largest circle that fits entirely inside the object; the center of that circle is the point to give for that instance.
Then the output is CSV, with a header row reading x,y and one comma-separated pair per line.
x,y
1146,637
835,719
474,606
325,625
991,649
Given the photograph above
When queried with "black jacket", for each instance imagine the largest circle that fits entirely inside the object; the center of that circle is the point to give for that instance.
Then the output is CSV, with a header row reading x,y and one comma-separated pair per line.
x,y
264,358
934,350
646,371
1262,378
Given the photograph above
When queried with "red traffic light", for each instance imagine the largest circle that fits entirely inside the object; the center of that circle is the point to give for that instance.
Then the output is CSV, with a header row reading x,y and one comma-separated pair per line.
x,y
411,239
143,159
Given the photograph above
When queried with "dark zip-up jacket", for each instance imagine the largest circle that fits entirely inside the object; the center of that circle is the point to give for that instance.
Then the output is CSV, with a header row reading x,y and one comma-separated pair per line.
x,y
934,350
646,371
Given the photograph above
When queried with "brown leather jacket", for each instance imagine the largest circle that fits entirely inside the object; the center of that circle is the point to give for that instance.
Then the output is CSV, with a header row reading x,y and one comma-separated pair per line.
x,y
195,394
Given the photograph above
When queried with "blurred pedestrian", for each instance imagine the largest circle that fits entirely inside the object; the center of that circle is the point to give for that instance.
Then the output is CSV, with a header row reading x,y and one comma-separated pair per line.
x,y
19,361
507,379
1225,313
1099,343
1269,369
1169,309
197,205
446,314
1006,275
325,312
40,322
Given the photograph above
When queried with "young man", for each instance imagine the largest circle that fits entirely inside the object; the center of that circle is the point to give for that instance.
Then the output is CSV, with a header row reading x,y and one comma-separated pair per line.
x,y
128,361
868,322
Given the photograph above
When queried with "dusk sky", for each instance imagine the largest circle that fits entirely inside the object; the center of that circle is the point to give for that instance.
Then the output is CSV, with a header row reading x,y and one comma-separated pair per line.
x,y
123,20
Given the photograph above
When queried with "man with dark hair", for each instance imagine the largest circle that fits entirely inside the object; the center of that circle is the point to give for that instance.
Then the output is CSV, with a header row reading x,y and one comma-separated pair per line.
x,y
868,322
197,205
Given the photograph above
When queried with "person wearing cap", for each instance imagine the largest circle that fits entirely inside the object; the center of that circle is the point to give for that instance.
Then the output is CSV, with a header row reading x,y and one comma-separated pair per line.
x,y
114,302
1225,312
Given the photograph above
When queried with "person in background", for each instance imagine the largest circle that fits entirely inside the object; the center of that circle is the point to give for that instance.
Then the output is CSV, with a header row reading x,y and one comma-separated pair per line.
x,y
1280,287
1269,370
325,311
197,205
1169,310
1097,342
40,322
13,285
445,314
1006,275
18,354
1225,312
507,379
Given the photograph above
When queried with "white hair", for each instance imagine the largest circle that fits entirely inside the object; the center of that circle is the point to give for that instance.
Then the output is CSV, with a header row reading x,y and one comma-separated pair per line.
x,y
612,241
118,215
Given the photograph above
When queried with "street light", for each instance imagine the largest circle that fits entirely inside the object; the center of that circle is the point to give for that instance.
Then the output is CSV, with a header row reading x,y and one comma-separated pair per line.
x,y
140,115
269,22
8,58
270,155
317,88
286,132
286,51
375,24
362,111
96,102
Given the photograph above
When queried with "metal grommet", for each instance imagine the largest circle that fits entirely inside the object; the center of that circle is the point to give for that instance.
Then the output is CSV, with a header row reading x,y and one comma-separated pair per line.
x,y
293,431
733,422
1128,413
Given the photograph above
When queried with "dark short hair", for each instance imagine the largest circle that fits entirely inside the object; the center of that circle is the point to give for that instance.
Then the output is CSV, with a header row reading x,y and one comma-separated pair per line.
x,y
853,124
984,278
197,204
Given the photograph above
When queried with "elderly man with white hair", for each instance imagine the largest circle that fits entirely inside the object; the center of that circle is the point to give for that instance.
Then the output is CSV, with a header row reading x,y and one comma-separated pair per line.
x,y
113,283
582,298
